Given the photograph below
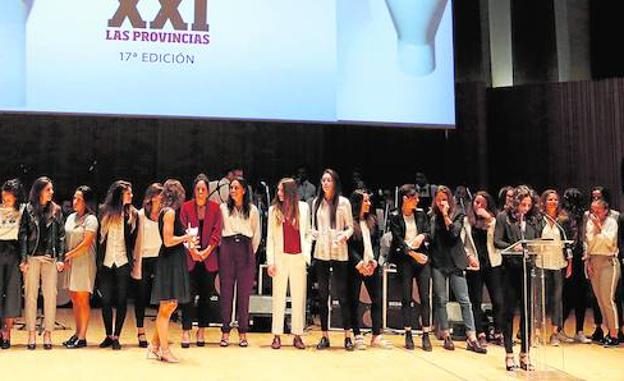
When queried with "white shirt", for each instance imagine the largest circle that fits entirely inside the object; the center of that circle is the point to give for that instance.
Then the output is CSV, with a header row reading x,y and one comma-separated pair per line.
x,y
411,231
368,244
604,243
236,224
9,223
328,245
149,236
115,245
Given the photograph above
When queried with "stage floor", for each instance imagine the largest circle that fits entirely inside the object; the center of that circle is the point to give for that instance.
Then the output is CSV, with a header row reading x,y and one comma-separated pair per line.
x,y
260,362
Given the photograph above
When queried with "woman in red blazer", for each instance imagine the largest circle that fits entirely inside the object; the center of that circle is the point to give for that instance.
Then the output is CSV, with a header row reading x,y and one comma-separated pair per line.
x,y
204,215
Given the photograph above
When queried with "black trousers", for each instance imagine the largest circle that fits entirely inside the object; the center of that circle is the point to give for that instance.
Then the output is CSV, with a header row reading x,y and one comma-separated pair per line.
x,y
373,286
341,274
407,270
492,278
513,297
575,294
202,285
113,286
143,288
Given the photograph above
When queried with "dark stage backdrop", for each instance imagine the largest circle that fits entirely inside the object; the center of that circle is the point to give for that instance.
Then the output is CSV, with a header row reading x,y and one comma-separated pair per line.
x,y
549,135
145,150
558,135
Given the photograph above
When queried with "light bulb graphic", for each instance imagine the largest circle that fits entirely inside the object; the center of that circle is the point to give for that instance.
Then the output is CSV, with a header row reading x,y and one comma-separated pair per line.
x,y
13,17
416,23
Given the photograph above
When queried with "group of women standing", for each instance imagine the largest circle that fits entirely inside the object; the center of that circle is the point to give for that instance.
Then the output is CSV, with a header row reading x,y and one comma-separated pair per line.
x,y
180,246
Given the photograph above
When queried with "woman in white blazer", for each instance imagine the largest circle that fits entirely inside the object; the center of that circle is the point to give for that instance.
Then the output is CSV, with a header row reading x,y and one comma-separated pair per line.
x,y
288,254
478,238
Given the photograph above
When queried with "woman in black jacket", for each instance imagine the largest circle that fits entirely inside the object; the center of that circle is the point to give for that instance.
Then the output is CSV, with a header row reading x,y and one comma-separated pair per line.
x,y
117,239
410,236
364,266
522,220
42,237
449,260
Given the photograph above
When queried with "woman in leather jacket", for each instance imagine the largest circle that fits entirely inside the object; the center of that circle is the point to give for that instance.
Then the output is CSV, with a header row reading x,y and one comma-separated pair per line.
x,y
42,238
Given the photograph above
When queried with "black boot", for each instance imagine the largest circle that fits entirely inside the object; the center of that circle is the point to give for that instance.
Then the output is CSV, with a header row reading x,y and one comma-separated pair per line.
x,y
409,340
426,343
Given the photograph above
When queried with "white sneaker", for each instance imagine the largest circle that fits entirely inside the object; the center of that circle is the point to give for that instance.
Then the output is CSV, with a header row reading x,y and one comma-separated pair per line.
x,y
581,338
379,342
360,344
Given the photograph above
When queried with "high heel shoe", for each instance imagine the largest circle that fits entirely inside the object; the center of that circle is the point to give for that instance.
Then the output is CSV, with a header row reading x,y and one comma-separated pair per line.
x,y
510,364
47,342
142,339
200,340
153,353
167,356
186,341
525,363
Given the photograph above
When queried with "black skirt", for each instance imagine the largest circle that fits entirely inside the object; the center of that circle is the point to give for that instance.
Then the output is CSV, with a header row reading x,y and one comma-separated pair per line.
x,y
171,277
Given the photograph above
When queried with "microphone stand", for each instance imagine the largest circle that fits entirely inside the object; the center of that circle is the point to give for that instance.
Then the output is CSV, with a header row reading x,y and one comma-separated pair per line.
x,y
525,281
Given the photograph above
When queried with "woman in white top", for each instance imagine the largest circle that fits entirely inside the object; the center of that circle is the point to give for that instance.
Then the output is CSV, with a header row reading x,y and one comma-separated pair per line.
x,y
11,210
478,237
288,253
146,249
332,222
80,269
117,238
603,267
237,261
553,259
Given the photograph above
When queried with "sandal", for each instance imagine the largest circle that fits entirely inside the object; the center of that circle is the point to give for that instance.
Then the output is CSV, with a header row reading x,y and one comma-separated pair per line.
x,y
525,363
153,353
224,341
510,364
167,356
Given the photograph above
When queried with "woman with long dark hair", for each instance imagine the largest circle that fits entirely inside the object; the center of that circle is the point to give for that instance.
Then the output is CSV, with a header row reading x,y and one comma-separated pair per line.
x,y
410,229
11,210
332,224
478,237
554,260
146,249
42,236
80,233
288,253
575,288
118,221
171,278
205,216
364,267
239,243
449,260
522,220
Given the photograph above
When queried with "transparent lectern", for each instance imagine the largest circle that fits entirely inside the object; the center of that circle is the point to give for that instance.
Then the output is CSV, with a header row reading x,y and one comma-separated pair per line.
x,y
548,361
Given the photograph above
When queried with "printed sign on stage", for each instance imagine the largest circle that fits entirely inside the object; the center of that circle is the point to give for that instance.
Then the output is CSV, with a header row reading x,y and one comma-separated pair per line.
x,y
360,61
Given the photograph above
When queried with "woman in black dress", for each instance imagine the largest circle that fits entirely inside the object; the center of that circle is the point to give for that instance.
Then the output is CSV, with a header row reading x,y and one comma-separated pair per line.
x,y
171,280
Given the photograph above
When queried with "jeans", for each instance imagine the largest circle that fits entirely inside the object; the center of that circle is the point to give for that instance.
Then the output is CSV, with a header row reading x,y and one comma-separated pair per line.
x,y
458,284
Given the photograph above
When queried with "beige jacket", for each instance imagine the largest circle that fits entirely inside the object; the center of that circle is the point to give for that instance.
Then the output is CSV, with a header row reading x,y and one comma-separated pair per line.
x,y
494,254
